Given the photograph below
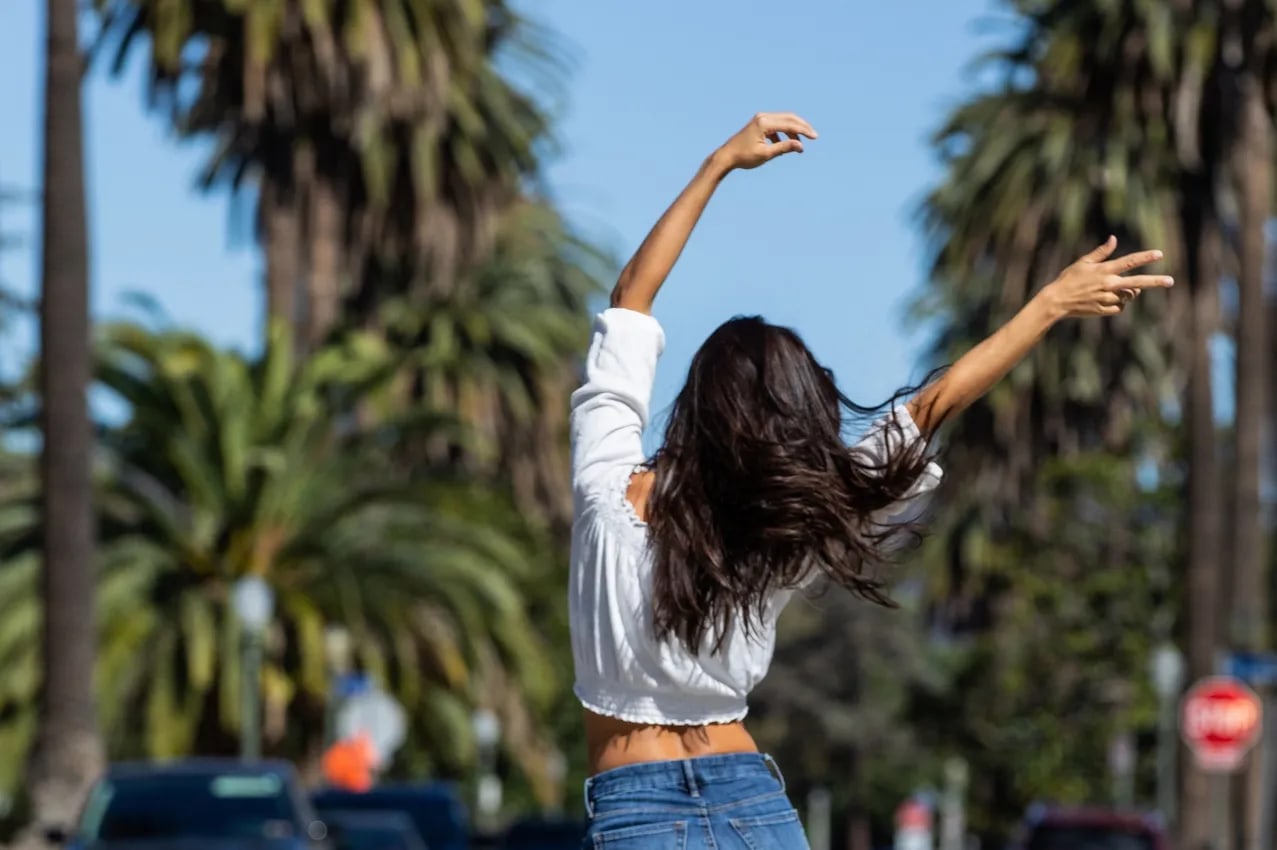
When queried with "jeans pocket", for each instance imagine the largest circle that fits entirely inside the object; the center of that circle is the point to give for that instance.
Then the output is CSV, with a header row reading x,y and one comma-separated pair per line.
x,y
669,835
779,831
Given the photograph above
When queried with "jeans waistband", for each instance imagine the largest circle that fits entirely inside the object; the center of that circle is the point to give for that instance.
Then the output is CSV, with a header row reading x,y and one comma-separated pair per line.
x,y
689,775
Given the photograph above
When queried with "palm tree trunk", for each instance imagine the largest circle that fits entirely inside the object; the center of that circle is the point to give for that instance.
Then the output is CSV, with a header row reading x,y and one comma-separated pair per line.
x,y
281,231
67,754
1202,239
1253,161
1254,164
324,287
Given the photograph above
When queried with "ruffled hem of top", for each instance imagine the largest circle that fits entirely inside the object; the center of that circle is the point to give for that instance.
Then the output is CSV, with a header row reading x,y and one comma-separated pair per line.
x,y
631,714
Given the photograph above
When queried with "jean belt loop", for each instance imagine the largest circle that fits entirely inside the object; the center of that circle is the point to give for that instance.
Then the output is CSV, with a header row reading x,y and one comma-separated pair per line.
x,y
775,770
689,778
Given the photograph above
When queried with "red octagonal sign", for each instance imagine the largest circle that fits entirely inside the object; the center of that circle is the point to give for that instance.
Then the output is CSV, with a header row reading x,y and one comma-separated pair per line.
x,y
1220,719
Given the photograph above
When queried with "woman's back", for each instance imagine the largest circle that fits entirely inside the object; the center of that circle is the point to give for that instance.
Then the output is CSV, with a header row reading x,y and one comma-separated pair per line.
x,y
625,670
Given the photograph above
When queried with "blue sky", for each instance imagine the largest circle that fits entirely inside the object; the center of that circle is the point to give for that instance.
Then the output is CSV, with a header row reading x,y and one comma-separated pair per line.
x,y
824,242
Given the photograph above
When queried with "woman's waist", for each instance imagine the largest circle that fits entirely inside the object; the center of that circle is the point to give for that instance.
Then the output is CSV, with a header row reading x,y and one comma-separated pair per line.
x,y
613,742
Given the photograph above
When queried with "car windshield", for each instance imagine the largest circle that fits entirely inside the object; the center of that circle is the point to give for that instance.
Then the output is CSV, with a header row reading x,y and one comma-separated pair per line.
x,y
160,807
1079,837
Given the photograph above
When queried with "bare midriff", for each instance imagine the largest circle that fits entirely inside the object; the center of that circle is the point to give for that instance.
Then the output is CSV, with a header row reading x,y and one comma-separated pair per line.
x,y
616,743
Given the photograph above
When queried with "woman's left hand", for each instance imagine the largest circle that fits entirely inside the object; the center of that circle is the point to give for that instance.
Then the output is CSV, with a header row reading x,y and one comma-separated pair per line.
x,y
761,140
1095,285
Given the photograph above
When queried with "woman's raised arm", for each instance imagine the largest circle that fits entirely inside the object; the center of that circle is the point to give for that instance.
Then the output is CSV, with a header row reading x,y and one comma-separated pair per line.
x,y
1093,286
760,141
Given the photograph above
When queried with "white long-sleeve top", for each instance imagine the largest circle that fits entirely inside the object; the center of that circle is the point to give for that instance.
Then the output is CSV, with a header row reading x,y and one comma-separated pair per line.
x,y
622,670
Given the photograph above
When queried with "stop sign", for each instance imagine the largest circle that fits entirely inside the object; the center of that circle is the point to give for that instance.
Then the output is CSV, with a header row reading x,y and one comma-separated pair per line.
x,y
1220,720
913,815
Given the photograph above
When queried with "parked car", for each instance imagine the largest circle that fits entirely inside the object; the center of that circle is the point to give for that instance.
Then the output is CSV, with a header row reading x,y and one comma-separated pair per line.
x,y
1049,828
544,834
203,803
372,831
436,810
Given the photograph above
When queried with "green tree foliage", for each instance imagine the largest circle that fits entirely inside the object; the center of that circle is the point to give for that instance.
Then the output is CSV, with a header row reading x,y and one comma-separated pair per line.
x,y
1172,105
845,674
226,466
1054,660
501,350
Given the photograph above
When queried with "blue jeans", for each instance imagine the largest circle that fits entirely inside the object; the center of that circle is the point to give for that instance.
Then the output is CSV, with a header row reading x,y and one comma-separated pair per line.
x,y
710,803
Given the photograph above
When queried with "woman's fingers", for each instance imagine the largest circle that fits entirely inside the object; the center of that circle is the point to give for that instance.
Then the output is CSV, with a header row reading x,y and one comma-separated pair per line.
x,y
1141,281
799,124
1102,252
785,122
1131,261
779,146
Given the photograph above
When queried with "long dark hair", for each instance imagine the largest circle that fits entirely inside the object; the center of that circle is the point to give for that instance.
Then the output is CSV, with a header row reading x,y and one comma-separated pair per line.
x,y
756,489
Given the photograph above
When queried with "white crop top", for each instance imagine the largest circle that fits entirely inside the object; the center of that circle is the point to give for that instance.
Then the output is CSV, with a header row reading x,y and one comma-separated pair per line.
x,y
622,670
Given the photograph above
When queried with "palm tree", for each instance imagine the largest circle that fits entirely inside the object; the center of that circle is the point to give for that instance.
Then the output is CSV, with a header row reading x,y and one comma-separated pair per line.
x,y
228,467
420,164
1218,108
1186,84
68,753
1143,88
1031,180
381,137
1249,29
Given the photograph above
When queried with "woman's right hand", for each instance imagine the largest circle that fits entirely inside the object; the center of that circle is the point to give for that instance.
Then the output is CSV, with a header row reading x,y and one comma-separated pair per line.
x,y
1095,285
761,140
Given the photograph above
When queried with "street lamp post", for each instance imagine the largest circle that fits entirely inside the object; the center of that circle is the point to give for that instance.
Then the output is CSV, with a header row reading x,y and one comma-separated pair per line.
x,y
819,809
557,771
337,655
253,604
487,734
953,804
1167,671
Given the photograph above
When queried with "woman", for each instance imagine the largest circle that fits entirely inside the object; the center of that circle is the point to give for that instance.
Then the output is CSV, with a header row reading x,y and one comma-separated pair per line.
x,y
681,563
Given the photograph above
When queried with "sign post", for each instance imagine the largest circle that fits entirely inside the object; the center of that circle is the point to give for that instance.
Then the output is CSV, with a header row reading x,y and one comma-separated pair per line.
x,y
1259,670
913,826
1220,720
